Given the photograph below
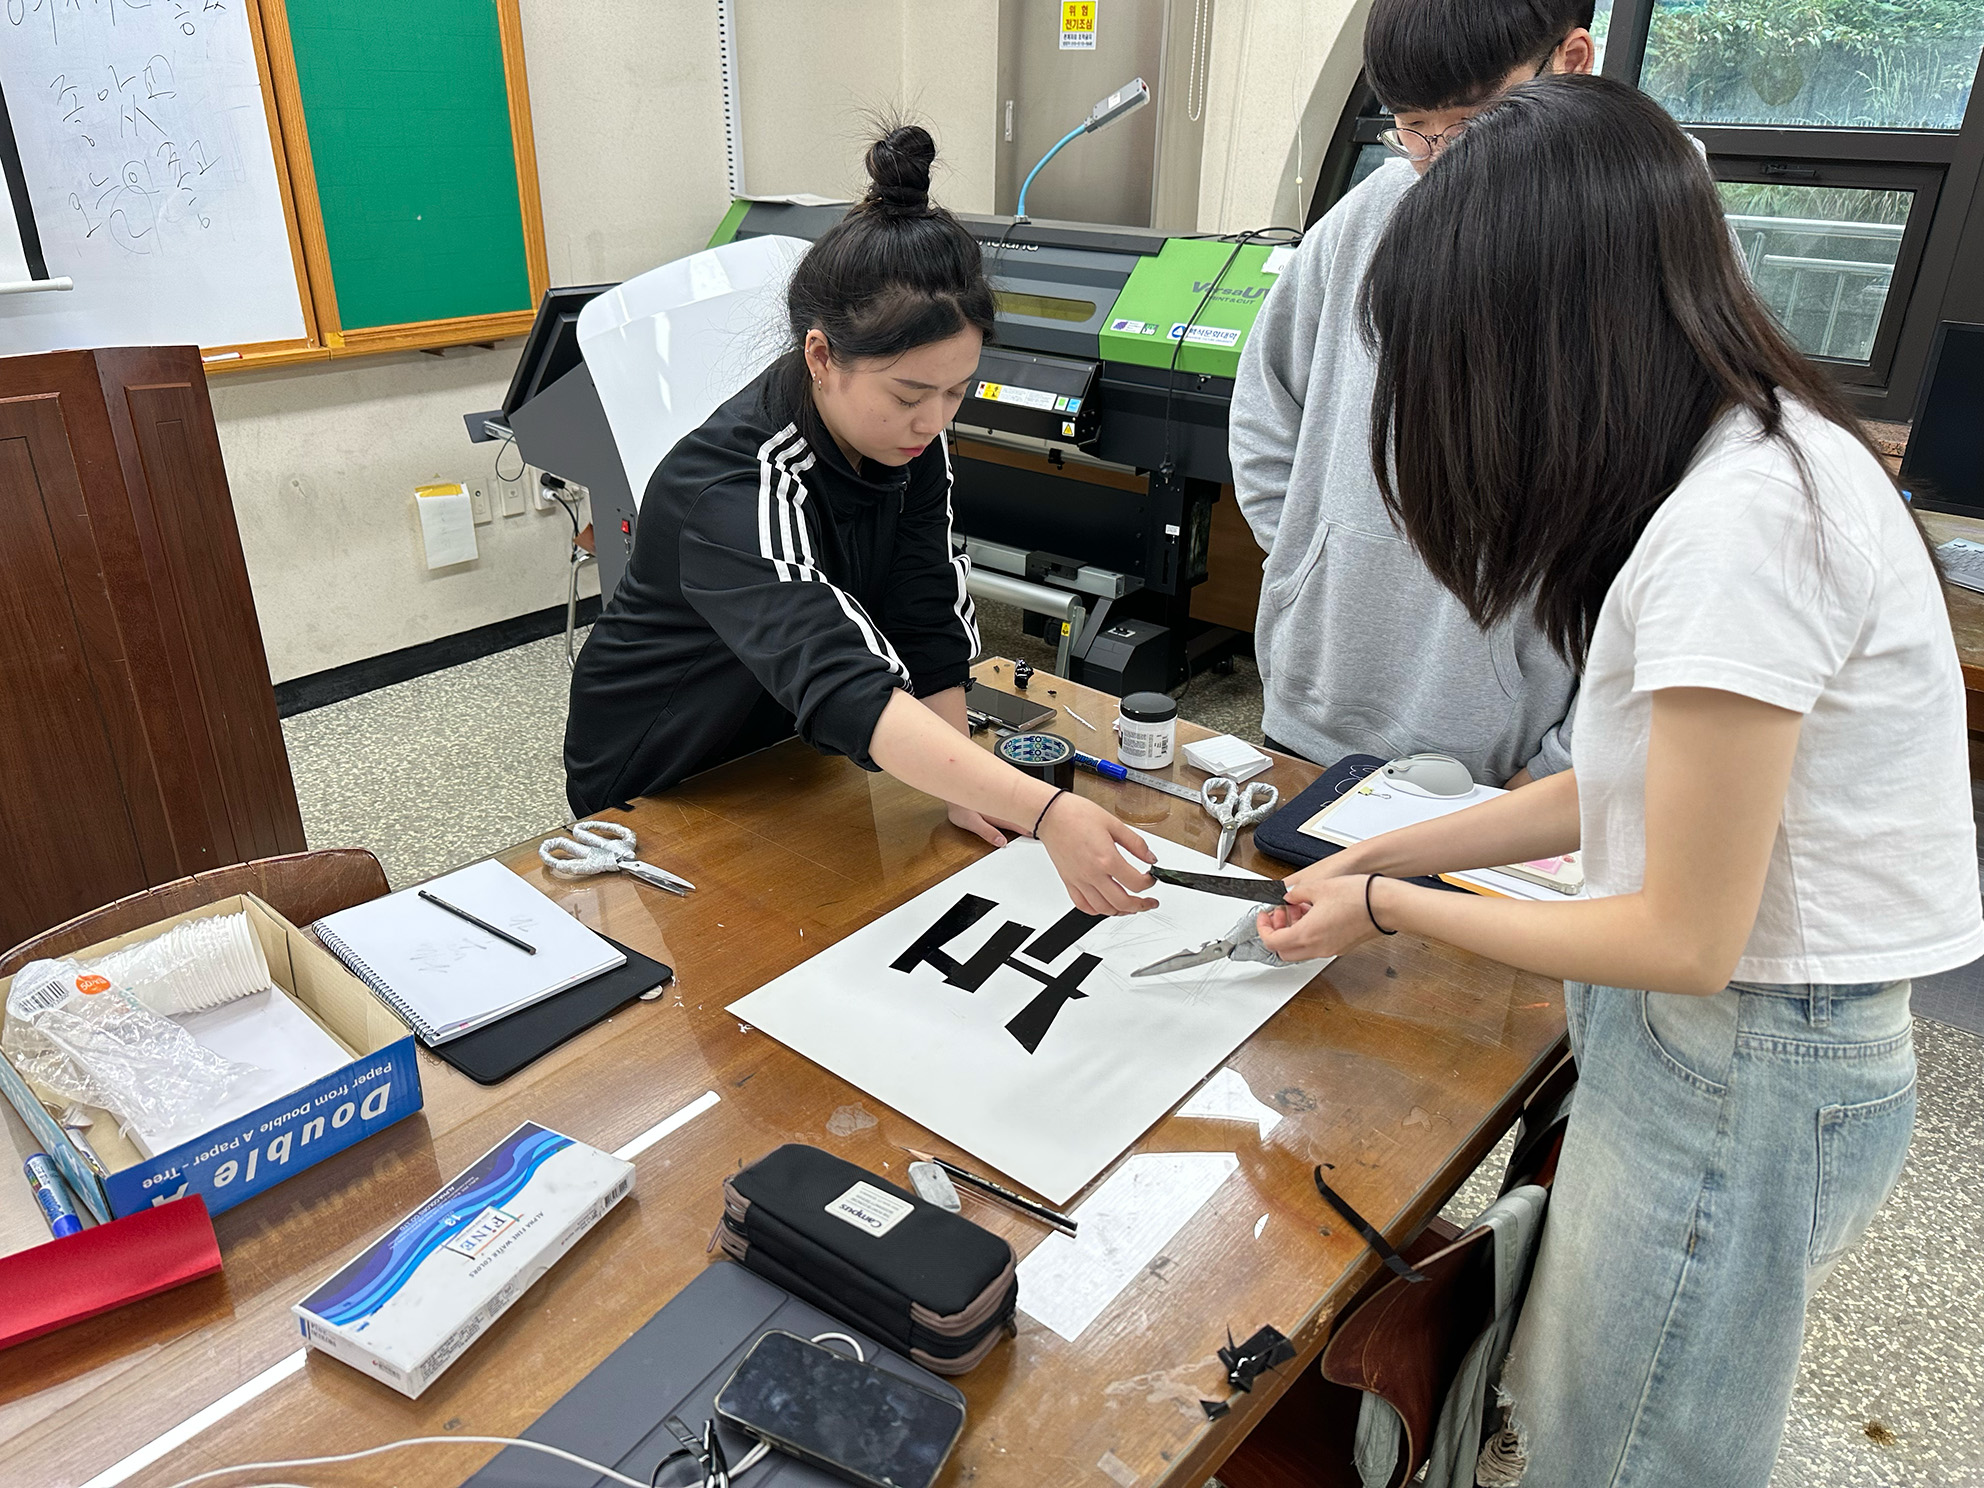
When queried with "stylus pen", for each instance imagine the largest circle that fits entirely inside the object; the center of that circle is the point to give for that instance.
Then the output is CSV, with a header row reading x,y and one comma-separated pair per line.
x,y
986,1186
461,914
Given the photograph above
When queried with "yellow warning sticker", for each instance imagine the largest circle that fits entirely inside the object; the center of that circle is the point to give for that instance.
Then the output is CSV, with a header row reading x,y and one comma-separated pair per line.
x,y
1078,25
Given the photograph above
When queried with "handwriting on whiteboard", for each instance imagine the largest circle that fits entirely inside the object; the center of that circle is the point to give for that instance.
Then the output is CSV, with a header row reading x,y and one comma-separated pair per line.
x,y
139,162
150,159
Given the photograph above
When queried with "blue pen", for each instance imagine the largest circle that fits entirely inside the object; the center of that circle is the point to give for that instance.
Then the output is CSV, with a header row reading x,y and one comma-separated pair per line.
x,y
1110,770
51,1195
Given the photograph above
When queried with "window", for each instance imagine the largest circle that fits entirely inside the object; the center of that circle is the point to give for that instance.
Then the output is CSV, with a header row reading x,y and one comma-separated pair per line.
x,y
1840,64
1823,258
1848,140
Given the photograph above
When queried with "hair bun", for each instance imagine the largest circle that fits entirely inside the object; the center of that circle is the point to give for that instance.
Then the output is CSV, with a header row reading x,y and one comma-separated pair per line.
x,y
899,171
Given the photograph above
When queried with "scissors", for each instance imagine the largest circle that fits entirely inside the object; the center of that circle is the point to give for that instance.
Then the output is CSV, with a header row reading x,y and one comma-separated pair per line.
x,y
1233,808
604,847
1243,941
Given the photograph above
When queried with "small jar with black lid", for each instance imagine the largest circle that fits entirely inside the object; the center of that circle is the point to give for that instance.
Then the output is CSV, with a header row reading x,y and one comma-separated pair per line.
x,y
1147,730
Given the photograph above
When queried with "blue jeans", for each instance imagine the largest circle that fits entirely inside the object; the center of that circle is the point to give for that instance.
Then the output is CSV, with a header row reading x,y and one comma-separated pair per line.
x,y
1723,1152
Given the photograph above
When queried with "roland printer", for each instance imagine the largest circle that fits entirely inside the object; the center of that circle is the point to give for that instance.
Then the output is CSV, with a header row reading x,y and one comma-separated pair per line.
x,y
1089,450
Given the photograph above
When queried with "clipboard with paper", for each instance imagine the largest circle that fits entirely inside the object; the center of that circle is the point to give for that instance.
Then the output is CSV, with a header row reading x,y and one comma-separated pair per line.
x,y
1376,805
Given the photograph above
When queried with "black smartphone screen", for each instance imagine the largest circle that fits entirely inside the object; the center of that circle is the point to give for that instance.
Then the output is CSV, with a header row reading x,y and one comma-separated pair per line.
x,y
1013,711
855,1420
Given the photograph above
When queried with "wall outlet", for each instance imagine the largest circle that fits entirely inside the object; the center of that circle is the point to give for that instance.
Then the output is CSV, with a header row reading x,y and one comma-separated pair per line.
x,y
478,504
511,493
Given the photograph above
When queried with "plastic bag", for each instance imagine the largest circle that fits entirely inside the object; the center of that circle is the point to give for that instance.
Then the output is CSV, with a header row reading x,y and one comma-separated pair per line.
x,y
84,1038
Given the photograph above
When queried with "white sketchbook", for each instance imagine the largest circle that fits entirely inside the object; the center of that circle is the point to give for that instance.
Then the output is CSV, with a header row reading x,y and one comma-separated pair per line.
x,y
445,977
993,1013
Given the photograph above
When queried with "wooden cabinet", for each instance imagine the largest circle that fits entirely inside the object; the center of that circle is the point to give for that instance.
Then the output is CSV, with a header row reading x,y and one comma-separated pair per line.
x,y
138,731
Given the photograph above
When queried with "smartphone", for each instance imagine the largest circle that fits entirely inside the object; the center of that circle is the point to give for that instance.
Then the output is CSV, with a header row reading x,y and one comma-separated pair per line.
x,y
851,1419
1008,710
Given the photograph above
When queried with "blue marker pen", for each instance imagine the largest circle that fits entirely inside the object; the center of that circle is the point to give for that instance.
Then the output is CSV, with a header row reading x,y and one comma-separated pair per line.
x,y
51,1195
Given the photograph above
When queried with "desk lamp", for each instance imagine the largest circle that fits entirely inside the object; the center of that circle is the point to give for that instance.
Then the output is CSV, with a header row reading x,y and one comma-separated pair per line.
x,y
1126,100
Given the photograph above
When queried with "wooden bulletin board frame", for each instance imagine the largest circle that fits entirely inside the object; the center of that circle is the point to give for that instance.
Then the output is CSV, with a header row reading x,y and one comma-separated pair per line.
x,y
327,339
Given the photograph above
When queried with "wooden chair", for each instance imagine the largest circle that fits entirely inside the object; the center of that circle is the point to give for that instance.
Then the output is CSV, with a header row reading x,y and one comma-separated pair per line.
x,y
301,887
1402,1340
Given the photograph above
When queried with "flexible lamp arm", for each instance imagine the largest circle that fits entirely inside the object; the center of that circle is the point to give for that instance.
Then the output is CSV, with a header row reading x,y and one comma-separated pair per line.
x,y
1126,100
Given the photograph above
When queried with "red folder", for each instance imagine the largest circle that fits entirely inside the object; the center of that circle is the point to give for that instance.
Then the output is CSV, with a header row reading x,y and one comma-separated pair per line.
x,y
105,1266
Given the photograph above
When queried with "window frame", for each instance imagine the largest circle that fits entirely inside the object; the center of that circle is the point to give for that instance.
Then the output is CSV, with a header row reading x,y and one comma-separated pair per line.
x,y
1941,166
1942,242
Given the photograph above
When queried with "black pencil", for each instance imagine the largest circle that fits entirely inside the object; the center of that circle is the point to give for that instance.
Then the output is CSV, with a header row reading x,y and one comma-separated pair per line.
x,y
523,945
987,1187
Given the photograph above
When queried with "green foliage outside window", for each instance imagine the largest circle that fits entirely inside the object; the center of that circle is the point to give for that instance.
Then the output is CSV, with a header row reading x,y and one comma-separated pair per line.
x,y
1854,63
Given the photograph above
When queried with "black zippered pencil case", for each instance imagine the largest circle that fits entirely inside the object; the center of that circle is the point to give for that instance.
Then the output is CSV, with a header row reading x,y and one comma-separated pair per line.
x,y
931,1283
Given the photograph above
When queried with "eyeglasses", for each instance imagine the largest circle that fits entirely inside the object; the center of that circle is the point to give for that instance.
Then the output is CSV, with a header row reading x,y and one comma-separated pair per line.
x,y
1414,146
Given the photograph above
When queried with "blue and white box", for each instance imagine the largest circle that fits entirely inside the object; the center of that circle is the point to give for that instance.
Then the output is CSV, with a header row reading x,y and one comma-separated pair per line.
x,y
246,1154
413,1301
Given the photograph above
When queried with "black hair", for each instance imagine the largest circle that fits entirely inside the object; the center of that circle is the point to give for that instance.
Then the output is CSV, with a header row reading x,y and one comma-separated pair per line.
x,y
895,273
1438,54
1559,317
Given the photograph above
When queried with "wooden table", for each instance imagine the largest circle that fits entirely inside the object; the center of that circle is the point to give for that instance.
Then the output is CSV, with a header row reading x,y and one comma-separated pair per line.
x,y
1402,1064
1966,615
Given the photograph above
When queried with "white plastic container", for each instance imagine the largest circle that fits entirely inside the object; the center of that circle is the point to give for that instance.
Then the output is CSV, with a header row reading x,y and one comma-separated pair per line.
x,y
1146,730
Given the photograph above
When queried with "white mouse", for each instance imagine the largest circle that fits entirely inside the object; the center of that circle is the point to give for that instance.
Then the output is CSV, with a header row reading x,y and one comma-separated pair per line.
x,y
1435,774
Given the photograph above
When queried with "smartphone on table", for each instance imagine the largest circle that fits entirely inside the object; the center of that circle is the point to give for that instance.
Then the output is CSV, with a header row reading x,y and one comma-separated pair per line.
x,y
854,1420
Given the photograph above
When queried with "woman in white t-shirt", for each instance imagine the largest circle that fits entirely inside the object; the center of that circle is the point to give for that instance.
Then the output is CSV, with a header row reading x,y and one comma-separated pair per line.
x,y
1595,418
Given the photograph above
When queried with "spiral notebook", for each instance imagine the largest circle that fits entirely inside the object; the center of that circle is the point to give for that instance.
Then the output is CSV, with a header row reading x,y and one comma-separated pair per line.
x,y
444,976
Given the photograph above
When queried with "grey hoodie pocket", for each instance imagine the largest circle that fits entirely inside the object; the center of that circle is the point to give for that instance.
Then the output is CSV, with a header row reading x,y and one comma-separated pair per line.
x,y
1364,637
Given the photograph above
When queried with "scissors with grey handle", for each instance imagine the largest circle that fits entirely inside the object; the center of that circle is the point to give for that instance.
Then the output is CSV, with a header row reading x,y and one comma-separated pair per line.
x,y
605,847
1235,806
1243,941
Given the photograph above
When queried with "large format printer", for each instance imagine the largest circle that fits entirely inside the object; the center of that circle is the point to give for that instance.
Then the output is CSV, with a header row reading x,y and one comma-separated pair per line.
x,y
1088,454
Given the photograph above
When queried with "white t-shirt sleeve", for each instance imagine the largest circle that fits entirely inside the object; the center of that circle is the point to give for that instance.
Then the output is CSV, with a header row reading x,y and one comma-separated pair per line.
x,y
1741,588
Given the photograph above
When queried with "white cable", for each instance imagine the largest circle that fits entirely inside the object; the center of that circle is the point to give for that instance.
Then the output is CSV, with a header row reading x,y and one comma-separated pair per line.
x,y
1195,77
411,1441
859,1356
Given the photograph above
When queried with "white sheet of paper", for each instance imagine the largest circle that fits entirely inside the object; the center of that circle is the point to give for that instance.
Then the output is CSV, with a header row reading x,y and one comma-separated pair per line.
x,y
1227,1097
266,1030
1107,1065
1068,1281
447,528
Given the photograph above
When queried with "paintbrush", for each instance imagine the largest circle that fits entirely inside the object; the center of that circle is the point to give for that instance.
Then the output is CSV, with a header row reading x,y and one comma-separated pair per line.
x,y
992,1190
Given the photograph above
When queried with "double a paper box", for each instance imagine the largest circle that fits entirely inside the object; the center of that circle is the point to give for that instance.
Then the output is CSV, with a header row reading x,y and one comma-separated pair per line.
x,y
407,1307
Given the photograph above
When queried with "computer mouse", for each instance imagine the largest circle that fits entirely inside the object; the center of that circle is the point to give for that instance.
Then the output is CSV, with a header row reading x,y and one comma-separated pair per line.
x,y
1435,774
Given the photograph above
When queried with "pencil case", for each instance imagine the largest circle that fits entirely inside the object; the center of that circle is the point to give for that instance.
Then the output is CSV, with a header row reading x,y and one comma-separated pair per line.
x,y
930,1283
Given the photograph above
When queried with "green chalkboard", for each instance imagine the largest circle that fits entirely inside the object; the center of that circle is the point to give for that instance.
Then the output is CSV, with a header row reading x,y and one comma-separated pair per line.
x,y
408,116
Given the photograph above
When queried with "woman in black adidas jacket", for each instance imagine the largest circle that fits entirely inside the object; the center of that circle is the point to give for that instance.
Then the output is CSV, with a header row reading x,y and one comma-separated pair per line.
x,y
793,565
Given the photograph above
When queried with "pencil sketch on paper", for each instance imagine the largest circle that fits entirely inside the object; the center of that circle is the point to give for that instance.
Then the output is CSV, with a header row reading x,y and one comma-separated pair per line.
x,y
994,1013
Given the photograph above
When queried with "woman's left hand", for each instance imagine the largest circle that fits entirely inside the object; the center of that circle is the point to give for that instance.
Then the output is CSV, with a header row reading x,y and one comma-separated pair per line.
x,y
1319,919
978,826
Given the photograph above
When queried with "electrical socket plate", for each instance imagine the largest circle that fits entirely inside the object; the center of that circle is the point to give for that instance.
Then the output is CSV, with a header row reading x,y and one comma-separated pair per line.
x,y
478,504
513,497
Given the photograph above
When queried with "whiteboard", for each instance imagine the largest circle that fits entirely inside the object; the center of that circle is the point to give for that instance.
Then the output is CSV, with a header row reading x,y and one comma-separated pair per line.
x,y
146,147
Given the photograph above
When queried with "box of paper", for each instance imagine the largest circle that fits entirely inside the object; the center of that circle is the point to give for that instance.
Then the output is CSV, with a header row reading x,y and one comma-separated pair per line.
x,y
375,1082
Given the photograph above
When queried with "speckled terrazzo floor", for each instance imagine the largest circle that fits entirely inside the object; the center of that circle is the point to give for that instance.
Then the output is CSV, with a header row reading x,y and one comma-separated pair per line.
x,y
438,771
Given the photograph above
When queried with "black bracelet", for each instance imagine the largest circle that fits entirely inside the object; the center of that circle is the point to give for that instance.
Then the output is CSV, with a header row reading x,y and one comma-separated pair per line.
x,y
1369,879
1058,793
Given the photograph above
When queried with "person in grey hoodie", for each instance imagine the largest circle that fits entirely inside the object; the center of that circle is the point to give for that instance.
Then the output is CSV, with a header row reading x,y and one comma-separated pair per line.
x,y
1361,649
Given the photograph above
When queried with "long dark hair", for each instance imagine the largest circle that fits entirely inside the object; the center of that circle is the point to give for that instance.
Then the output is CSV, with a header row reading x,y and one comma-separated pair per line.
x,y
895,273
1559,317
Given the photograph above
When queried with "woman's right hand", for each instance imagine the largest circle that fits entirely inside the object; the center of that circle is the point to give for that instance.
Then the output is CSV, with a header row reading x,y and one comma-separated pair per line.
x,y
1088,845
